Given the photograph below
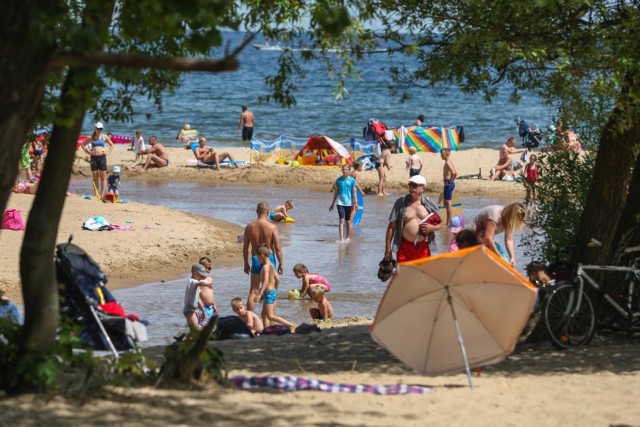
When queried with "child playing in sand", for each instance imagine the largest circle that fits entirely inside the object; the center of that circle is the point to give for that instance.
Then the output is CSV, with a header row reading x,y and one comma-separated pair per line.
x,y
113,182
206,301
309,279
269,282
199,279
457,223
323,311
280,212
414,163
249,317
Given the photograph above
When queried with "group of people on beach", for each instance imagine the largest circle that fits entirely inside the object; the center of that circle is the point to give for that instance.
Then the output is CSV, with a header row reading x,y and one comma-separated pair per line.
x,y
263,262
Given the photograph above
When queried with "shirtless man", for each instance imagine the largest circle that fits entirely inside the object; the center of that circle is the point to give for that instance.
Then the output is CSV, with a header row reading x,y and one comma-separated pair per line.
x,y
505,163
255,233
412,222
246,123
209,156
157,155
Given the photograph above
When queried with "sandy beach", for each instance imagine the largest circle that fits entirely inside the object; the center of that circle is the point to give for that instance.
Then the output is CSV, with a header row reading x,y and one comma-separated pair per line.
x,y
536,385
165,242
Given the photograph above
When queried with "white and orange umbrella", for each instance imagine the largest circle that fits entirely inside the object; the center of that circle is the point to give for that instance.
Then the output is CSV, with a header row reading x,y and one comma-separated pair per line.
x,y
452,311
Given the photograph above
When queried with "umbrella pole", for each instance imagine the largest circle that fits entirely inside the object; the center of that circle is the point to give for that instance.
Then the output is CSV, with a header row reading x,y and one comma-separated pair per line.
x,y
460,341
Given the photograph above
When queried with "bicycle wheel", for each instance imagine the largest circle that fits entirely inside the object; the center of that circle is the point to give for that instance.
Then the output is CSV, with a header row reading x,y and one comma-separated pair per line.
x,y
565,327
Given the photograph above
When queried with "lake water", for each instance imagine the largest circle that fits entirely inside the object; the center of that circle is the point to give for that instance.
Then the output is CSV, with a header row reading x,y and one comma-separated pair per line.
x,y
211,104
311,240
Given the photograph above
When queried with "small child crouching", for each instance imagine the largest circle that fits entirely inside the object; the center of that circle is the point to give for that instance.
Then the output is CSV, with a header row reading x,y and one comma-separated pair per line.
x,y
252,320
324,311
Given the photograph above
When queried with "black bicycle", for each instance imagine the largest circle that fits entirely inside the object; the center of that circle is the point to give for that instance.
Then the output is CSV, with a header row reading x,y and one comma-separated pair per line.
x,y
569,314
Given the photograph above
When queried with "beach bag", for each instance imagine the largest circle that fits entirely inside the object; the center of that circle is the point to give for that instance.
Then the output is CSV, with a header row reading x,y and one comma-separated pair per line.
x,y
12,220
96,223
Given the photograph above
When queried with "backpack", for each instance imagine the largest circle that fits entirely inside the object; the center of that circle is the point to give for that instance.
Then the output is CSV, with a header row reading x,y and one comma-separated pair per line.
x,y
12,220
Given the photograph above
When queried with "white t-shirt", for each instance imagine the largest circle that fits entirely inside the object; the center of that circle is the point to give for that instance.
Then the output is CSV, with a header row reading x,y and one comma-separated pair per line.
x,y
191,296
485,214
138,145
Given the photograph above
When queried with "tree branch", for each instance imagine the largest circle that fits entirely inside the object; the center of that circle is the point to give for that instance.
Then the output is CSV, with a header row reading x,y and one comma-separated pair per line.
x,y
95,59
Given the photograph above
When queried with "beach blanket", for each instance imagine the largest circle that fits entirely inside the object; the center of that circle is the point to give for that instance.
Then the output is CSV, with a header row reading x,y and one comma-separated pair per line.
x,y
290,383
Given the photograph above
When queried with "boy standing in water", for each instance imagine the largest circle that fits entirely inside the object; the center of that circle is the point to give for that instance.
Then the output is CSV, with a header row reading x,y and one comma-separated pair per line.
x,y
449,175
206,300
269,282
199,278
344,196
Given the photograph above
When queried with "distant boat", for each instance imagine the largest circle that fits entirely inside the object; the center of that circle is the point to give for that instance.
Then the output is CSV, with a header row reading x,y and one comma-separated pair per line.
x,y
267,46
278,48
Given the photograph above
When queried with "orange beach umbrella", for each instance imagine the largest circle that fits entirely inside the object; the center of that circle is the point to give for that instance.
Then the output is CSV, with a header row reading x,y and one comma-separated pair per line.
x,y
452,311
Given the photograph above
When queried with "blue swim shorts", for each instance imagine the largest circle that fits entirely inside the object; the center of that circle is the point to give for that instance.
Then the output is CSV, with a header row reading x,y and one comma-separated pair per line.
x,y
256,267
449,186
270,296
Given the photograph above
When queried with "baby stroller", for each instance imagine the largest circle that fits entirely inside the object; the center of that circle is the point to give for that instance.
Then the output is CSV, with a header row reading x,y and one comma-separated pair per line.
x,y
531,136
86,301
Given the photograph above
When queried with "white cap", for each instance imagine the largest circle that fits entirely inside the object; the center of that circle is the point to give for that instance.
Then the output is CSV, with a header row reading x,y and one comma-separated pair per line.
x,y
116,169
418,179
99,125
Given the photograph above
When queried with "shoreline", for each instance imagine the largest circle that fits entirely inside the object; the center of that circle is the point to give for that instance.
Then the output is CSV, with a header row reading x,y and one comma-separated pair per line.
x,y
169,255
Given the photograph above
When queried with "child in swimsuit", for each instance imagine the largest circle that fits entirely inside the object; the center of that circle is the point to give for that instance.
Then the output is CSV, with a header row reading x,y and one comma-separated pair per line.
x,y
269,282
309,279
323,311
280,213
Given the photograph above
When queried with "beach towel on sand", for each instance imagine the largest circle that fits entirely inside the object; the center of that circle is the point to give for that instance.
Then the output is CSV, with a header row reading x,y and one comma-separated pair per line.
x,y
289,383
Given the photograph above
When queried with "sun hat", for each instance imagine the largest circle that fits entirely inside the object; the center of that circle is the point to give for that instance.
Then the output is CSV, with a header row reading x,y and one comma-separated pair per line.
x,y
418,179
199,268
457,223
116,169
99,125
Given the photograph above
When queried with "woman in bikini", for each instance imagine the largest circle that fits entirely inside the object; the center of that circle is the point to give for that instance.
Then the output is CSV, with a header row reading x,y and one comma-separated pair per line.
x,y
96,147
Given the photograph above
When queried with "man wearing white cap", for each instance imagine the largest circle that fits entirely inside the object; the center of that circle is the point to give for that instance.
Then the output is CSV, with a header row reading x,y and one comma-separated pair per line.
x,y
412,223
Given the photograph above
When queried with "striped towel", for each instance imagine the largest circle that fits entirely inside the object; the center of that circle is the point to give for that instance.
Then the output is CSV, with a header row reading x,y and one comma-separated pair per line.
x,y
290,383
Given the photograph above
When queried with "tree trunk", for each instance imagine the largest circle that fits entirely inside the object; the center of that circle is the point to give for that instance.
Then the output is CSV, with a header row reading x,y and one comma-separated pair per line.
x,y
37,270
39,286
24,69
607,194
628,231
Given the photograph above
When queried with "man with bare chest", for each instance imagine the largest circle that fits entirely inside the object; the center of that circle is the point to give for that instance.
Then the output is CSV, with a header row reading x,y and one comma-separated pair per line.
x,y
246,124
256,233
412,222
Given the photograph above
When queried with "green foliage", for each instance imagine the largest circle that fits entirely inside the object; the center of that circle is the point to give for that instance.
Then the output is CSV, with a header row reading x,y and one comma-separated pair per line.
x,y
562,187
39,371
179,358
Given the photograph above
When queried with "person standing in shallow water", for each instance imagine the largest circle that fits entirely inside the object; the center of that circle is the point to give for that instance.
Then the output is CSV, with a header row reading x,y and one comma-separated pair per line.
x,y
246,124
344,197
256,233
412,223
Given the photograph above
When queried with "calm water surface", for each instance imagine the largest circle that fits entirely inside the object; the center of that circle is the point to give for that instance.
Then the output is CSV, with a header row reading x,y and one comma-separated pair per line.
x,y
311,240
211,102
